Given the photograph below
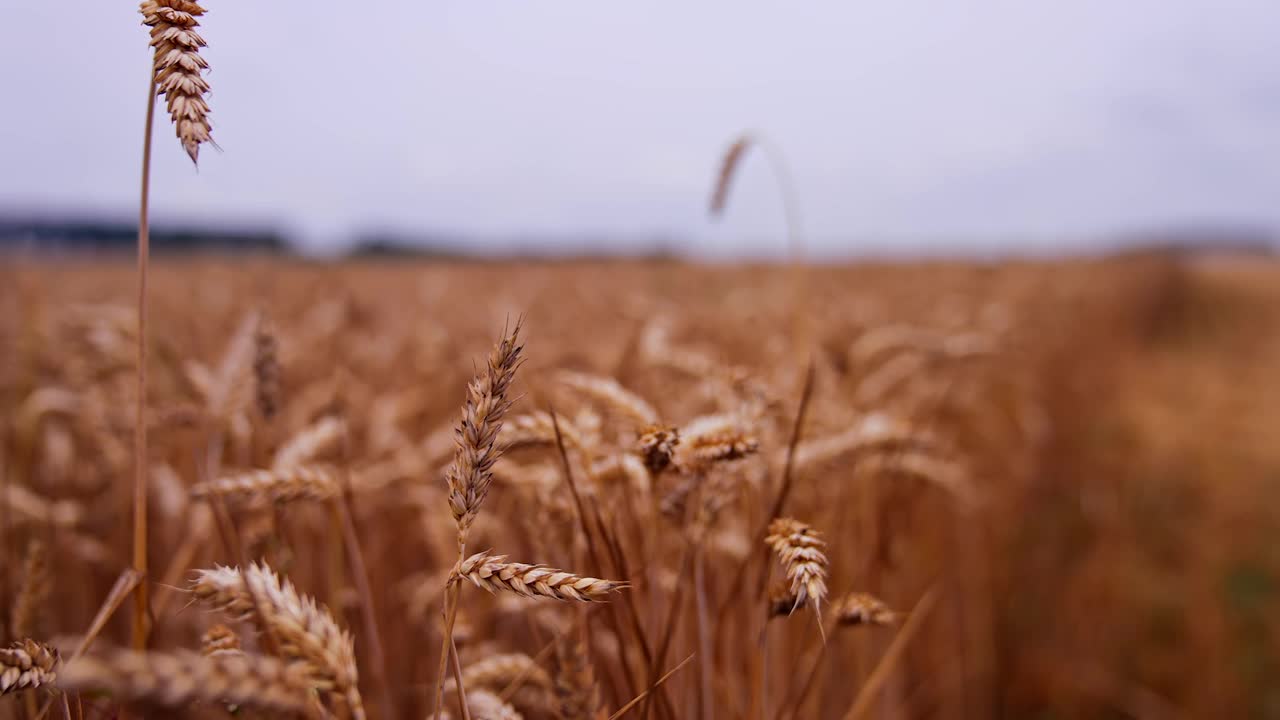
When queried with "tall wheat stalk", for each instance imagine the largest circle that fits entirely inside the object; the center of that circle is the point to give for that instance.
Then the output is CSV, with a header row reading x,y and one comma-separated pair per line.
x,y
175,71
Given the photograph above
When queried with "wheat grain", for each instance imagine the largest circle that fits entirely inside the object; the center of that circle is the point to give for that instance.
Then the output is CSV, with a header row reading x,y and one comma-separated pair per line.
x,y
857,608
657,445
309,443
494,573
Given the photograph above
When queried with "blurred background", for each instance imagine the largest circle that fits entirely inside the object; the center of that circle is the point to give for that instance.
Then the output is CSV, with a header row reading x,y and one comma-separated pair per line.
x,y
580,128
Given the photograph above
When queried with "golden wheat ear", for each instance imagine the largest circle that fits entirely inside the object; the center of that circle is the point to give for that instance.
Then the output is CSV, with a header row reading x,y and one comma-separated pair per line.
x,y
178,66
728,167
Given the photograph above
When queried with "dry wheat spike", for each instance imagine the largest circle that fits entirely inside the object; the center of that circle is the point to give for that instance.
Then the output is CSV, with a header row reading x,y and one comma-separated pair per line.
x,y
178,67
657,445
309,442
494,572
309,482
266,369
27,664
306,631
471,472
800,549
711,439
611,393
31,593
176,679
858,608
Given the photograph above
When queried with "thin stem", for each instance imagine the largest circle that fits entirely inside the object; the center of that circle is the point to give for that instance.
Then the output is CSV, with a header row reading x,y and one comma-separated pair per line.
x,y
446,641
868,692
141,603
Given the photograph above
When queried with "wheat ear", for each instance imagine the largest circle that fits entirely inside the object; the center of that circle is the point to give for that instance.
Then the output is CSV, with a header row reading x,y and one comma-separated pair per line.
x,y
576,686
178,66
857,608
31,593
611,393
27,664
266,369
306,631
800,549
494,573
471,472
176,679
302,482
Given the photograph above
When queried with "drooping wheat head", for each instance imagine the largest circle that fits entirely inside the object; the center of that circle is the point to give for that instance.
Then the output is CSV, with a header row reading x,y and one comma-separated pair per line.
x,y
800,550
178,66
724,178
305,630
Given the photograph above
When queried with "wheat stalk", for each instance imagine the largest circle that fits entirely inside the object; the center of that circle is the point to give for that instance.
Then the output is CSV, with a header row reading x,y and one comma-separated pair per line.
x,y
305,631
298,482
494,573
178,66
800,549
27,664
177,679
32,593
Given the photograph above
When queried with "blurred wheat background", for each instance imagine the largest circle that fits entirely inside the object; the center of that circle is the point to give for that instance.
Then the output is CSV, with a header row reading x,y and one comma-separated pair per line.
x,y
972,417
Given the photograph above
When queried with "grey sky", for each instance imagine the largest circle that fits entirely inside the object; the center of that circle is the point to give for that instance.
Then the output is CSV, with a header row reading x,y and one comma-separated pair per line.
x,y
1009,124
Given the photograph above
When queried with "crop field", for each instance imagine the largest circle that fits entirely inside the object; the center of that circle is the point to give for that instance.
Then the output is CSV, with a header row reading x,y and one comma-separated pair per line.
x,y
643,489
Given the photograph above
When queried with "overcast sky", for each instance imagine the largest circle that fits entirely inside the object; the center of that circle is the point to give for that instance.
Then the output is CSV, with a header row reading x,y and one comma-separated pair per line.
x,y
946,125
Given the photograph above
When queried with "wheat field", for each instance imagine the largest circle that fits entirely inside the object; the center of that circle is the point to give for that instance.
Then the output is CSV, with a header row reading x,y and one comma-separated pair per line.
x,y
649,489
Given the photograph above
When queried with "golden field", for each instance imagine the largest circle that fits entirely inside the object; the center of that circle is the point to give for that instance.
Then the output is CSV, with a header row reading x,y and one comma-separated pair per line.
x,y
1058,477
